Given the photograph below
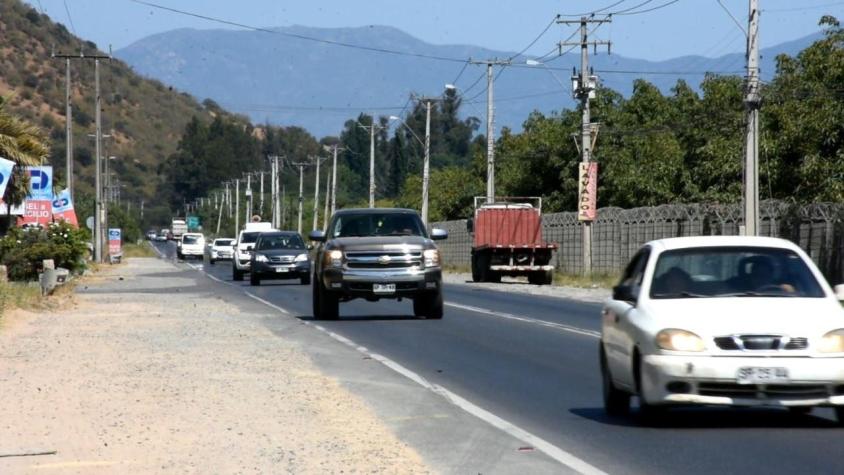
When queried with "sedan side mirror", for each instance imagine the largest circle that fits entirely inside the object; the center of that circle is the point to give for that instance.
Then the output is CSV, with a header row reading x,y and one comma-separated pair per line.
x,y
839,292
317,236
438,234
625,293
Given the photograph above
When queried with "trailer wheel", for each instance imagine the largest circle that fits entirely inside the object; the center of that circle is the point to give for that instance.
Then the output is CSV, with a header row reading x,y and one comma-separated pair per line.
x,y
549,277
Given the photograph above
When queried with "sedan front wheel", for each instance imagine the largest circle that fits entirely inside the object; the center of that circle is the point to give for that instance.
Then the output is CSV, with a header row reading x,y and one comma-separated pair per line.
x,y
616,401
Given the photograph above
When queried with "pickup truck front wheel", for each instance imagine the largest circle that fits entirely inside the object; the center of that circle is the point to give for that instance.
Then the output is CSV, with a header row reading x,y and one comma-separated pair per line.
x,y
326,304
429,305
236,274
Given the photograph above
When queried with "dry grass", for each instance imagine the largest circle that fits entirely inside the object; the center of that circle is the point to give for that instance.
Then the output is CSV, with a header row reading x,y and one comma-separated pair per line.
x,y
138,250
14,295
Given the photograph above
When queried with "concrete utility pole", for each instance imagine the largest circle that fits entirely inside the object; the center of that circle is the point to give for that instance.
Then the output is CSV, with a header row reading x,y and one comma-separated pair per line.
x,y
261,196
334,183
316,160
99,214
327,195
585,90
301,166
752,103
236,206
248,196
371,129
490,126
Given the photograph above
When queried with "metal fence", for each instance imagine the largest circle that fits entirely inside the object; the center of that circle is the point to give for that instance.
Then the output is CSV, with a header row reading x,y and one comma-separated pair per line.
x,y
618,233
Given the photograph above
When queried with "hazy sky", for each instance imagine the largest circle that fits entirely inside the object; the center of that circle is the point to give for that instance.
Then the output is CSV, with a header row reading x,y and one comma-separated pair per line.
x,y
686,27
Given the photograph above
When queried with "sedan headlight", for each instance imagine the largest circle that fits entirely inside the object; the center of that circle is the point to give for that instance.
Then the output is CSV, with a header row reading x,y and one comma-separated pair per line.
x,y
833,342
334,258
261,258
679,340
301,258
432,257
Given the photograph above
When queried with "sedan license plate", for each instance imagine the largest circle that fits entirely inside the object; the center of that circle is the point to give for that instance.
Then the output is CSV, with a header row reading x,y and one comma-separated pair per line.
x,y
756,375
384,288
282,269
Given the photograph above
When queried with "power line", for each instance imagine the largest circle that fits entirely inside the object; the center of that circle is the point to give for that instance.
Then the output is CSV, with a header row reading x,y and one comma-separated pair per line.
x,y
460,74
728,12
647,10
622,12
70,19
475,83
553,21
298,36
808,7
594,11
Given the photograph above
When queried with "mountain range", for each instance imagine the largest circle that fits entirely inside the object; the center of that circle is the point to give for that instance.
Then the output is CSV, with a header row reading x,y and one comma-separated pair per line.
x,y
283,79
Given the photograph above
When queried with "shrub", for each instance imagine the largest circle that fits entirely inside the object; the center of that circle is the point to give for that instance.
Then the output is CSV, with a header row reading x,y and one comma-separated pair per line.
x,y
22,250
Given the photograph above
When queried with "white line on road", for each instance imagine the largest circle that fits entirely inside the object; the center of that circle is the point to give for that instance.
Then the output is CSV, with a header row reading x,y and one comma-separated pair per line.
x,y
269,304
509,316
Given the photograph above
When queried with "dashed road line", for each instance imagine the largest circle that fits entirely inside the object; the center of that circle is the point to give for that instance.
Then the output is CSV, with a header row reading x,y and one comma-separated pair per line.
x,y
510,316
269,304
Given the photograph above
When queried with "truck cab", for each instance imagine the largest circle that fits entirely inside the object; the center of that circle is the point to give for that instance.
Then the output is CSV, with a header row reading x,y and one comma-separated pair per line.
x,y
243,247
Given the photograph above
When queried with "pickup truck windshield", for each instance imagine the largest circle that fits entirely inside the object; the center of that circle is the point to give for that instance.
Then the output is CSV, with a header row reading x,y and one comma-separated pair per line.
x,y
377,224
223,242
190,239
283,241
247,238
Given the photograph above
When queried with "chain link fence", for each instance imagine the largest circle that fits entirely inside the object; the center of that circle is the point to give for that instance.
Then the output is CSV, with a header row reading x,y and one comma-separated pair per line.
x,y
618,233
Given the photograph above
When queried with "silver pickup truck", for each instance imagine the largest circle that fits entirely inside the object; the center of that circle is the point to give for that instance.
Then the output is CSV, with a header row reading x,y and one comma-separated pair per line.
x,y
377,253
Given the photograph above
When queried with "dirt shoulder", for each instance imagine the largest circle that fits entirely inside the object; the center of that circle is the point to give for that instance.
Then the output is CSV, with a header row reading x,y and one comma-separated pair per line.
x,y
146,373
520,285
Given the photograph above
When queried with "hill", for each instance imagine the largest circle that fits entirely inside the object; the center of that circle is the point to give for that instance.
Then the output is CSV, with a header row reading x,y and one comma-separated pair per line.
x,y
282,80
144,117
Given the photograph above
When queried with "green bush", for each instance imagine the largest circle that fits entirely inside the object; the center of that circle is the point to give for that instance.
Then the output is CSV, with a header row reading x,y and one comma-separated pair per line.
x,y
22,250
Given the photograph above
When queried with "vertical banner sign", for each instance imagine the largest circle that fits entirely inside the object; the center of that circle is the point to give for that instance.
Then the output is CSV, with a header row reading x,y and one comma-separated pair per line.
x,y
114,242
38,207
63,208
587,192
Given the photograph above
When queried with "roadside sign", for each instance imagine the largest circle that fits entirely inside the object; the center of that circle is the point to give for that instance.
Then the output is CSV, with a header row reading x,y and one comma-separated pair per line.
x,y
587,196
193,223
114,241
89,223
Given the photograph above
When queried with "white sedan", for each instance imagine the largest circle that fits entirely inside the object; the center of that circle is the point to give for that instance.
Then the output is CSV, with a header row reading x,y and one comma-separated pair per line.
x,y
723,321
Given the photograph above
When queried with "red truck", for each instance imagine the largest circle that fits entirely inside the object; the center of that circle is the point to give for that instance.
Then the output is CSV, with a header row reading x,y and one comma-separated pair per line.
x,y
507,240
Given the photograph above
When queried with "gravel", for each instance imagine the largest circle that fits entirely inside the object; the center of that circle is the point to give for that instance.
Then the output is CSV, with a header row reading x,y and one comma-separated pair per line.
x,y
520,285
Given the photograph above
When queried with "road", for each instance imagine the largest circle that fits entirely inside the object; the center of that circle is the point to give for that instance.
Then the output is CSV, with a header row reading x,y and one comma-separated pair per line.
x,y
532,361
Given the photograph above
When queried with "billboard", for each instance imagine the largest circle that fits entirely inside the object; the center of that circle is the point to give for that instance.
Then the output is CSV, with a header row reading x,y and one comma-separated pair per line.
x,y
38,206
5,174
114,242
587,191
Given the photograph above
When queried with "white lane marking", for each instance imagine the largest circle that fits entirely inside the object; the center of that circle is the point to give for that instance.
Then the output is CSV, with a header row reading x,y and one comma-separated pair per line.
x,y
510,316
549,449
269,304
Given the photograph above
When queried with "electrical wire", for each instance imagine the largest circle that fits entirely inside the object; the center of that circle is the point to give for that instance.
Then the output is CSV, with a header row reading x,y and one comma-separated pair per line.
x,y
621,12
460,74
472,86
797,9
728,12
298,36
594,11
70,19
553,21
647,10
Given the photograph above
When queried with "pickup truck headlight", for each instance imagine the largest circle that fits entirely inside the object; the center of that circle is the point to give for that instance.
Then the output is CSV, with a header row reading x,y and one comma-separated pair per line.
x,y
679,340
261,258
334,258
432,257
833,342
301,258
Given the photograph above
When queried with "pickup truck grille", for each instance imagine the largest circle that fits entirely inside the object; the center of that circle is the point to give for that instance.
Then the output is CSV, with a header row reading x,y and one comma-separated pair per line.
x,y
383,259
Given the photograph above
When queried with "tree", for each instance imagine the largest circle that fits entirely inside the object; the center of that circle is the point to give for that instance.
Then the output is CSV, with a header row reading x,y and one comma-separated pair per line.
x,y
24,144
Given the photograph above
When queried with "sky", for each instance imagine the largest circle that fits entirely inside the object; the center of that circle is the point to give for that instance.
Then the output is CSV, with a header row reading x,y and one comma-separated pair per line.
x,y
687,27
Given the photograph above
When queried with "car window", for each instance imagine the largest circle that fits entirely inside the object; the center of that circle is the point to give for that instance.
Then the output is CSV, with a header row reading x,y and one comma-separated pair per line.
x,y
190,239
634,273
377,224
248,238
733,272
280,241
223,242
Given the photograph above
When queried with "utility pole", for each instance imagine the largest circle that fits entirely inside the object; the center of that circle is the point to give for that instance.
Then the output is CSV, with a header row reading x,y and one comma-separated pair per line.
x,y
236,206
490,126
248,196
371,129
327,195
586,90
426,167
334,183
301,166
316,160
752,103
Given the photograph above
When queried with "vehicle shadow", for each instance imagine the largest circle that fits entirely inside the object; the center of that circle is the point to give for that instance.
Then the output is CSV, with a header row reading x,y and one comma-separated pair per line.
x,y
712,418
366,318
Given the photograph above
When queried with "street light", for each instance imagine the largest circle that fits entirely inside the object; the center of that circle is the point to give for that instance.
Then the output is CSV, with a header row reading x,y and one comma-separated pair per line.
x,y
427,161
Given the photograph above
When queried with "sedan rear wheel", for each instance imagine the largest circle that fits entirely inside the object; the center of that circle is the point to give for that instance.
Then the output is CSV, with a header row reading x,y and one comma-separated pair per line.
x,y
616,401
839,414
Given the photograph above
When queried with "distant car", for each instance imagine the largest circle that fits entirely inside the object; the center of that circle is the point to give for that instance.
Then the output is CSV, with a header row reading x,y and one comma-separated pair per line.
x,y
191,245
221,249
151,235
246,238
161,237
280,255
723,321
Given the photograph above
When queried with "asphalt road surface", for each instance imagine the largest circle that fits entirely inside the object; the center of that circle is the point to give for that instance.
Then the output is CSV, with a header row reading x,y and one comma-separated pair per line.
x,y
533,362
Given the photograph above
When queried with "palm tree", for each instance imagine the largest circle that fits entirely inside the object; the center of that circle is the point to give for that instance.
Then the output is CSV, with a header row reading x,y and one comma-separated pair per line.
x,y
23,143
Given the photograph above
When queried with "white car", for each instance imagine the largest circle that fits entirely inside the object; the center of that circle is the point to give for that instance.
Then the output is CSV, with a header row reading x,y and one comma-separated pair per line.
x,y
222,249
723,321
191,245
244,245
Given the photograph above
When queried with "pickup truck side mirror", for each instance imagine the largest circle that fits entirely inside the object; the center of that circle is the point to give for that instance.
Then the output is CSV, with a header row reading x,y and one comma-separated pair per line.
x,y
317,236
470,225
626,293
839,292
438,234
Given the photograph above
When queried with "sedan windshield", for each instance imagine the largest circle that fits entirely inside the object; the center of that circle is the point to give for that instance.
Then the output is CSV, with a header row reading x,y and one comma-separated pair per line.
x,y
377,224
281,241
733,272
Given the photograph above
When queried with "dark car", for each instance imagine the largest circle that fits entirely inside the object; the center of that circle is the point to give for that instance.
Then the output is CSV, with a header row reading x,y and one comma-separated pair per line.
x,y
377,253
280,255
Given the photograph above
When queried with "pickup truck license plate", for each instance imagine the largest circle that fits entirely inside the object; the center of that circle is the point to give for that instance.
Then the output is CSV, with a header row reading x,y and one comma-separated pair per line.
x,y
281,269
756,375
384,288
